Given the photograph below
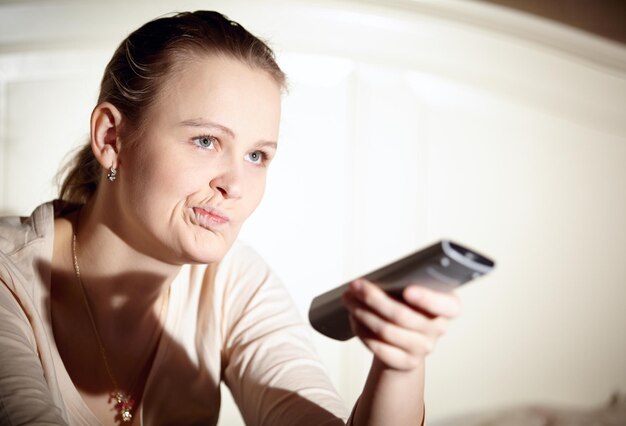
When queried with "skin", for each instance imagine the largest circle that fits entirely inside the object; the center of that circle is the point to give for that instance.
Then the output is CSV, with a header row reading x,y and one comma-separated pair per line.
x,y
208,143
400,335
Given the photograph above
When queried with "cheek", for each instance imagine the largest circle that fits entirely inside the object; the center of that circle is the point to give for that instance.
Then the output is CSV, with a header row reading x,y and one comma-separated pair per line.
x,y
168,174
160,178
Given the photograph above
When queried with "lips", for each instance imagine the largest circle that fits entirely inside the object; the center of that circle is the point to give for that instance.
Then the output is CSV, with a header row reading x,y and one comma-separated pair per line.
x,y
209,217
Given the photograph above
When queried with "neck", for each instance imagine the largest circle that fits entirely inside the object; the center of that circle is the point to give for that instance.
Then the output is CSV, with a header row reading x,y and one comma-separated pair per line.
x,y
116,275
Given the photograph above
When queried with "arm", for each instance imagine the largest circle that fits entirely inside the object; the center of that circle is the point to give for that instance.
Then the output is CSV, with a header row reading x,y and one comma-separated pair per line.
x,y
391,397
24,395
400,335
270,365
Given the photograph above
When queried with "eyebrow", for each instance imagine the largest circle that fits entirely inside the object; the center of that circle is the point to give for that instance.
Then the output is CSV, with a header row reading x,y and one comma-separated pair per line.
x,y
195,122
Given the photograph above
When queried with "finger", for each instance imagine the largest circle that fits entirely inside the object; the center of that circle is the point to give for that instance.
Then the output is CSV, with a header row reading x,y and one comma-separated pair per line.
x,y
384,305
400,313
409,319
411,341
437,303
391,356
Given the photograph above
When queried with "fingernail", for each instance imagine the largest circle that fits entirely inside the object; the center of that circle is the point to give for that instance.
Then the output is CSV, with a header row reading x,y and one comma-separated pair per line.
x,y
413,292
357,285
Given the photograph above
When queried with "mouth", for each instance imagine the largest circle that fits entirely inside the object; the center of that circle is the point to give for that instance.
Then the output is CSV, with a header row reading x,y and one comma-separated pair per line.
x,y
210,218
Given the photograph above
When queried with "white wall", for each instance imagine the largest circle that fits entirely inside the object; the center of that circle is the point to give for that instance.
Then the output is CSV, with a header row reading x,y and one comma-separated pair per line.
x,y
407,121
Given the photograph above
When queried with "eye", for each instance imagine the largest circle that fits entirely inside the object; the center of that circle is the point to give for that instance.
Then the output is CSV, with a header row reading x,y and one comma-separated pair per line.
x,y
204,142
257,157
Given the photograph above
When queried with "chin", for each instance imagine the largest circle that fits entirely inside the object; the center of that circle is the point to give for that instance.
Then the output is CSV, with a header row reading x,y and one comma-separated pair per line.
x,y
209,252
203,258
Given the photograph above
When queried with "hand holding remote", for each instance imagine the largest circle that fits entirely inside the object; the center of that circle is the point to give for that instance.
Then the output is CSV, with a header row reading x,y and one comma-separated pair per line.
x,y
399,333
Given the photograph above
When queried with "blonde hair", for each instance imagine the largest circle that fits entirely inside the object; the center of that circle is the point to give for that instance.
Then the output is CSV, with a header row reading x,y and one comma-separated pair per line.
x,y
140,65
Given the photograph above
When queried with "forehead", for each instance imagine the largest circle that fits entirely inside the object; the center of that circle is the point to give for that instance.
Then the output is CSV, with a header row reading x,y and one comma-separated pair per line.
x,y
223,90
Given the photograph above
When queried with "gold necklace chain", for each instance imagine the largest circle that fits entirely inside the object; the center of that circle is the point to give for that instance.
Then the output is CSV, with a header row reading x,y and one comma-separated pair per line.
x,y
124,402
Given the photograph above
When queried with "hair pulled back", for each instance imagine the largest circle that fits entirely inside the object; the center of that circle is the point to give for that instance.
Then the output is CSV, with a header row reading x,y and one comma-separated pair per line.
x,y
139,67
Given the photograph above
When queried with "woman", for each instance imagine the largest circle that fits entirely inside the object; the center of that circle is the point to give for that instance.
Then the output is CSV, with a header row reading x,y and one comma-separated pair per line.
x,y
128,300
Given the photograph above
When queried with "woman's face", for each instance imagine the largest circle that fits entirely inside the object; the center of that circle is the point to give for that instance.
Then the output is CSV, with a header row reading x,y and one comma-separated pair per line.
x,y
199,170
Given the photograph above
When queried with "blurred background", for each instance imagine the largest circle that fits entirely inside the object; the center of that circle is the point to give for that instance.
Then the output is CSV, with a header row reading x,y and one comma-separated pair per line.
x,y
501,125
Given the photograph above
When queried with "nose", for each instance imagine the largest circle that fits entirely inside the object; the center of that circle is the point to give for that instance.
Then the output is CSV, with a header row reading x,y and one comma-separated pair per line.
x,y
229,182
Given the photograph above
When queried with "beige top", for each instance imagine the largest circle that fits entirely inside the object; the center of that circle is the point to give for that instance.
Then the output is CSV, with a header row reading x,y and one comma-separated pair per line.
x,y
243,329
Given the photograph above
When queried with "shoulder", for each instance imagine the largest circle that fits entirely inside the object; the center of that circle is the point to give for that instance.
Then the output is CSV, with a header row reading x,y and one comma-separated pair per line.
x,y
247,282
26,244
233,281
25,251
242,270
242,259
25,241
19,232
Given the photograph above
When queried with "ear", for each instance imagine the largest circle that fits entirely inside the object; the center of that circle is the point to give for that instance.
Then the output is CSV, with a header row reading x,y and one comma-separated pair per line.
x,y
106,125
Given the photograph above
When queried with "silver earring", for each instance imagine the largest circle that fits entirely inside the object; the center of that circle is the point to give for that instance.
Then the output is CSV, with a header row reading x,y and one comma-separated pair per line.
x,y
112,175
